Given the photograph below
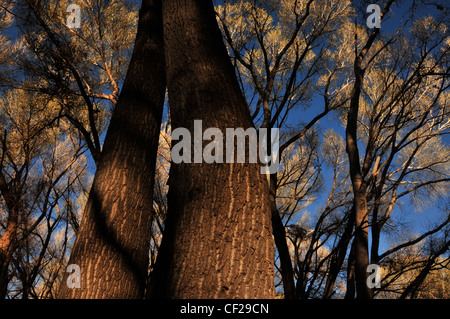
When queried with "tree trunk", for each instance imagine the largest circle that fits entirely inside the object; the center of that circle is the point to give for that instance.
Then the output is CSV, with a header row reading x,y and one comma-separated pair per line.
x,y
217,240
359,184
376,233
279,235
359,188
339,257
113,242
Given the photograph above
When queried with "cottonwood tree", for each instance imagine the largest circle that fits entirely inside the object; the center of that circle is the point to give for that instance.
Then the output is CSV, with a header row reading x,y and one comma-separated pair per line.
x,y
249,30
48,226
217,240
299,182
76,67
406,104
56,55
431,178
326,234
418,271
116,222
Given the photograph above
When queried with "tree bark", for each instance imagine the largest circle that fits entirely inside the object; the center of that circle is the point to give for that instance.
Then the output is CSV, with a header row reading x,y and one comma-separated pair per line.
x,y
113,242
217,240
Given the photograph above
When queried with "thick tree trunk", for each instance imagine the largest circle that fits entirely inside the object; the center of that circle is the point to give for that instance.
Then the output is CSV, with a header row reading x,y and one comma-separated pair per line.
x,y
112,245
217,240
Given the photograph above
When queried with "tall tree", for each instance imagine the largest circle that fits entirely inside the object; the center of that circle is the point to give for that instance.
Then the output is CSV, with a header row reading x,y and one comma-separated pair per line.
x,y
217,240
279,48
357,174
112,245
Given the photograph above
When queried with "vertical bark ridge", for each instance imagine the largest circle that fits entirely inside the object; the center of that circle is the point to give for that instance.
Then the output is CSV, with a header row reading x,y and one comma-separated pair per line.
x,y
218,224
112,245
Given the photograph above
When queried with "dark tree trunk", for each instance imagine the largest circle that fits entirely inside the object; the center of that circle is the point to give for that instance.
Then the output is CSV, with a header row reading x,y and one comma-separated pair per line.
x,y
339,257
359,188
217,240
362,246
376,233
279,235
113,241
359,184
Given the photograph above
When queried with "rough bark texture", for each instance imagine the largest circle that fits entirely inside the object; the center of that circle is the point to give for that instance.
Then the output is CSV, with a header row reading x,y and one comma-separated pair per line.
x,y
114,237
217,240
362,246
